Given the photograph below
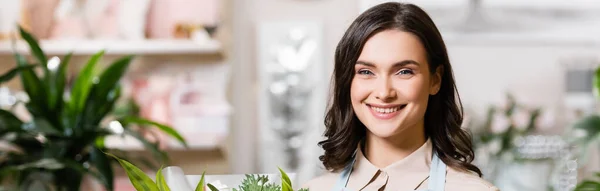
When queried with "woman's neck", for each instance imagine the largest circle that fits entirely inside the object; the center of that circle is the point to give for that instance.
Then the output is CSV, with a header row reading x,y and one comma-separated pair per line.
x,y
382,152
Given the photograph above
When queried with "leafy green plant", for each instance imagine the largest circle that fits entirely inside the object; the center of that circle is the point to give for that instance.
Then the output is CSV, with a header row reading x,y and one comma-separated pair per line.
x,y
586,132
65,137
252,182
589,185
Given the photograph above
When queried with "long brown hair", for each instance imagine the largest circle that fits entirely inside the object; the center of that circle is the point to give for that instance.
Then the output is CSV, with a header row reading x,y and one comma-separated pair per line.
x,y
443,117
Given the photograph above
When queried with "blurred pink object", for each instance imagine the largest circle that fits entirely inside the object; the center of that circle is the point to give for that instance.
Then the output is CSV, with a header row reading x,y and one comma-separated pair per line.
x,y
521,118
500,123
164,15
122,183
72,28
103,16
39,16
69,21
152,95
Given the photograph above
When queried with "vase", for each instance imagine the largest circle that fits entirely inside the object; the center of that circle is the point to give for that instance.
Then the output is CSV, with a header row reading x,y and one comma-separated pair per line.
x,y
523,175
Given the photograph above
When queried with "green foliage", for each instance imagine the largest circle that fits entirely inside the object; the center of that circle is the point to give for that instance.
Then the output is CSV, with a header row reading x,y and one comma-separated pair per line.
x,y
257,182
65,137
586,133
251,182
589,185
502,125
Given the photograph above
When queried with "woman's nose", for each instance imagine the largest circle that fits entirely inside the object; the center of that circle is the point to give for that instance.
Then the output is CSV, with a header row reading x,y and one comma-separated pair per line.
x,y
384,90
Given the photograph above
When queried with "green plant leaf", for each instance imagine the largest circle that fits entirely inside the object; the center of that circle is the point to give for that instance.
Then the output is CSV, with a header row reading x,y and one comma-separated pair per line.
x,y
106,91
8,121
111,76
143,122
200,186
33,46
590,125
73,166
58,82
82,85
286,183
13,72
160,181
102,163
138,178
97,108
588,185
34,88
152,147
41,125
131,157
596,83
212,188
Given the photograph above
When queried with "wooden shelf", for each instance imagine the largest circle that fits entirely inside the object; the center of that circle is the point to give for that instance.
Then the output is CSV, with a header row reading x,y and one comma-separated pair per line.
x,y
118,47
205,141
202,133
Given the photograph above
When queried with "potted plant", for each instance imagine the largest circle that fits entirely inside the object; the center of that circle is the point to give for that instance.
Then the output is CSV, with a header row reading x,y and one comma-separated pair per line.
x,y
252,182
64,140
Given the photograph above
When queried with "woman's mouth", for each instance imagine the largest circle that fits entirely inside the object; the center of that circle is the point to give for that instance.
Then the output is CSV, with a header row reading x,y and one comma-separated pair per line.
x,y
385,111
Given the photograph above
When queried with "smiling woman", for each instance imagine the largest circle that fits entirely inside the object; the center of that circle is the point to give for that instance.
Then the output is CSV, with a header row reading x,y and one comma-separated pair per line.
x,y
395,117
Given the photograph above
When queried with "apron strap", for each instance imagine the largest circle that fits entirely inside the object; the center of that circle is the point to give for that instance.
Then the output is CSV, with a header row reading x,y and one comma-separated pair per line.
x,y
345,175
437,174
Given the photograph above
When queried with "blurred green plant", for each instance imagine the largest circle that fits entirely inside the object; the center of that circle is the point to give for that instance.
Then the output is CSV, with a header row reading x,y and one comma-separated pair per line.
x,y
496,135
589,185
64,140
141,181
586,132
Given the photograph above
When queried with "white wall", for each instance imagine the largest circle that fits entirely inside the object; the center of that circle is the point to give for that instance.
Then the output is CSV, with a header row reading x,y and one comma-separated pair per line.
x,y
534,74
336,15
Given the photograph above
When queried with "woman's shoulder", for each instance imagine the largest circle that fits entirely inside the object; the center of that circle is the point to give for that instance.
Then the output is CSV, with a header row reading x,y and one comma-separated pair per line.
x,y
324,182
467,181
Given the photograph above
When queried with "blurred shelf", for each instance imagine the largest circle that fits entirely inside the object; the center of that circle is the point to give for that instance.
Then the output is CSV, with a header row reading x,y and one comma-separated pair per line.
x,y
525,39
118,47
207,132
203,141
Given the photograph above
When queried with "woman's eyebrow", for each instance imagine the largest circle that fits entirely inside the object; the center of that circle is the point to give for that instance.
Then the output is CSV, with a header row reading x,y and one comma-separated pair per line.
x,y
397,64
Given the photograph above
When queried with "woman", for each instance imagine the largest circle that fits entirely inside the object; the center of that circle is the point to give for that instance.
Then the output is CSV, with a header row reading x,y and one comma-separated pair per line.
x,y
395,116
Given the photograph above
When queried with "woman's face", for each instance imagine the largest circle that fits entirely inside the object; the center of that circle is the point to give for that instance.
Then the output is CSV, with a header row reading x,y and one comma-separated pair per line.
x,y
392,83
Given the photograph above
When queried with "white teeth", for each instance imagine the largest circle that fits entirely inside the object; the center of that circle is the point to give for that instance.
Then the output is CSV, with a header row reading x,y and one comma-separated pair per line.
x,y
385,110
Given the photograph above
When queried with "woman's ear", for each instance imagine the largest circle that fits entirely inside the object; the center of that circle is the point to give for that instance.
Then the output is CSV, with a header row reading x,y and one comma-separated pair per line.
x,y
436,80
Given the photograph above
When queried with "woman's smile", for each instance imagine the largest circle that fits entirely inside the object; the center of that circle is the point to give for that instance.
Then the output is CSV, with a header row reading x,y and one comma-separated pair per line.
x,y
385,112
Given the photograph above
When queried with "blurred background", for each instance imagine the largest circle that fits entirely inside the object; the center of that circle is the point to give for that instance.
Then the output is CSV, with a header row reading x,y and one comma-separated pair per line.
x,y
245,82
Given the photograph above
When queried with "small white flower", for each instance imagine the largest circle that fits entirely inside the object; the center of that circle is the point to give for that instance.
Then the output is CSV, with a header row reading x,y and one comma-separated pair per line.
x,y
521,119
546,120
495,146
499,123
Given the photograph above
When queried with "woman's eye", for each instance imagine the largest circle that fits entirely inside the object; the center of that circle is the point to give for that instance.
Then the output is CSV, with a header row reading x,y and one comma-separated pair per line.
x,y
365,72
405,72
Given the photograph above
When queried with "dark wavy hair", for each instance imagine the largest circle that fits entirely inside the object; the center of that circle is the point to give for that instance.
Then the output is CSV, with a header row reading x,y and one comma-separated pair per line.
x,y
443,117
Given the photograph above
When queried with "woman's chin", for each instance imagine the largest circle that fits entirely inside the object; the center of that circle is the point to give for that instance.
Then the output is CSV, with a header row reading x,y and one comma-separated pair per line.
x,y
384,132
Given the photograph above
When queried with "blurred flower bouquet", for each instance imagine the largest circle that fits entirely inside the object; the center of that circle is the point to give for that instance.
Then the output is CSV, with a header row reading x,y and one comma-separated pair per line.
x,y
498,141
498,134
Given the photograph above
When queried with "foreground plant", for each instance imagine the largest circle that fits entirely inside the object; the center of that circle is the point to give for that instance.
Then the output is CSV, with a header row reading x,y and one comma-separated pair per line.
x,y
141,181
64,140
